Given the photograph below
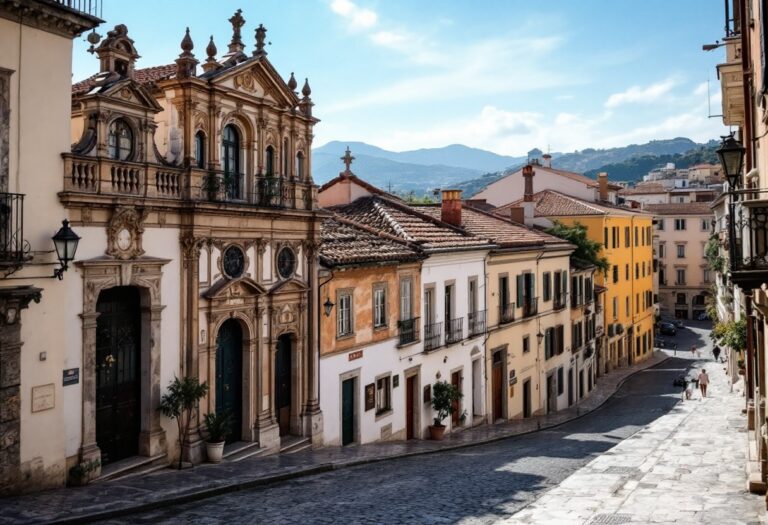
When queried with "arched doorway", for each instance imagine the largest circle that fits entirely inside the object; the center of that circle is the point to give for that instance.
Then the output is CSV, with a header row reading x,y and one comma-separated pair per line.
x,y
283,383
118,373
229,375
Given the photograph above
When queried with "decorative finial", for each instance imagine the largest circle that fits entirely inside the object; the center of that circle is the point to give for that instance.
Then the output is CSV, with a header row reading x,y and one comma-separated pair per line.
x,y
237,22
306,90
347,159
211,51
186,44
93,39
261,34
292,84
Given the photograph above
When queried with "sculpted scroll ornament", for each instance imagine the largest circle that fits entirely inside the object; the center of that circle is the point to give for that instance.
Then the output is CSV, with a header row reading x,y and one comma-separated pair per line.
x,y
124,233
247,82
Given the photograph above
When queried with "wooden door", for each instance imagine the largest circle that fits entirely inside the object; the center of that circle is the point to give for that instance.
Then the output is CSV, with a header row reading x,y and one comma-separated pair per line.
x,y
497,386
118,361
410,402
229,375
570,386
347,411
283,384
527,398
456,414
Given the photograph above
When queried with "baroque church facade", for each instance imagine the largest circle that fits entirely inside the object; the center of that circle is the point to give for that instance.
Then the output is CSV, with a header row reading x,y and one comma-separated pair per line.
x,y
191,188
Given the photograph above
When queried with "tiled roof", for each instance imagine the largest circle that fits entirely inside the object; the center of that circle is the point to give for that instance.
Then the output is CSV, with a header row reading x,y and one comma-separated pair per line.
x,y
644,189
357,180
550,203
592,183
499,230
680,208
402,221
144,76
346,242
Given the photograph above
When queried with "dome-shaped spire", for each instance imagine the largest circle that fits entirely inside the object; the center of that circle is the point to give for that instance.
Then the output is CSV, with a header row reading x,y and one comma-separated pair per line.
x,y
292,84
306,90
186,43
211,50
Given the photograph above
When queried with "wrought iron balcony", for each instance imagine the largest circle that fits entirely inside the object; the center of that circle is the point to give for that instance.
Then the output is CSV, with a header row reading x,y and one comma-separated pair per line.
x,y
454,331
12,246
530,306
748,258
506,313
477,323
89,7
432,336
559,301
408,331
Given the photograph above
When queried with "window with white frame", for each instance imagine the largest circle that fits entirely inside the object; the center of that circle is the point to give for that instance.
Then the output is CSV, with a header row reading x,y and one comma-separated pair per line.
x,y
704,225
681,251
379,305
344,313
707,276
680,276
383,394
679,224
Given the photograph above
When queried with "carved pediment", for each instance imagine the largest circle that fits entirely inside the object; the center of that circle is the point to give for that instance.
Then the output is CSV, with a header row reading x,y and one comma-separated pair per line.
x,y
287,286
260,79
226,289
128,91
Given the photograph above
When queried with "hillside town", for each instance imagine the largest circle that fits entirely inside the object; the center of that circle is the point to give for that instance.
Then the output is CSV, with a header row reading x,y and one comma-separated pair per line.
x,y
188,313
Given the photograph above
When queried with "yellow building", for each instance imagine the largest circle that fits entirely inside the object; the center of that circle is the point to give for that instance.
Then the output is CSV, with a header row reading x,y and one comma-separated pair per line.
x,y
626,237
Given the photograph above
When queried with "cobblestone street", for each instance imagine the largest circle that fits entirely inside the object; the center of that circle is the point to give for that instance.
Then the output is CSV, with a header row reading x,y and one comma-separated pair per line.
x,y
682,461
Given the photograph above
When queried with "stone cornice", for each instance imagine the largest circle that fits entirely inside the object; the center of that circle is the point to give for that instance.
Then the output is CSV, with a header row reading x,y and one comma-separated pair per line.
x,y
48,15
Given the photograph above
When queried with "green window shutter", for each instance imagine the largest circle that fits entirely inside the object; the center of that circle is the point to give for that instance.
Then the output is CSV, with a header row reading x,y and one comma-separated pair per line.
x,y
520,285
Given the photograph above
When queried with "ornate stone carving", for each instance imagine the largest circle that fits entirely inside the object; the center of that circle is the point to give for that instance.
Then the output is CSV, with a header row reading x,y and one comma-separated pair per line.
x,y
191,246
124,233
247,82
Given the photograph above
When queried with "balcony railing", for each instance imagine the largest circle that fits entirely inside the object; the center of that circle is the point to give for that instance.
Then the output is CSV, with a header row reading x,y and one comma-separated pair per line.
x,y
102,176
506,313
408,331
749,255
454,331
476,323
11,229
89,7
559,302
432,335
530,306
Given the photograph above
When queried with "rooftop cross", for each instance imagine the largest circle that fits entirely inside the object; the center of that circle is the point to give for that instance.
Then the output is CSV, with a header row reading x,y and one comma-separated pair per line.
x,y
347,159
237,22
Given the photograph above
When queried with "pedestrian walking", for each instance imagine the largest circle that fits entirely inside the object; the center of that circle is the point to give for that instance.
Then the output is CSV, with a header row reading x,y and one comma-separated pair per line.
x,y
693,351
716,353
703,382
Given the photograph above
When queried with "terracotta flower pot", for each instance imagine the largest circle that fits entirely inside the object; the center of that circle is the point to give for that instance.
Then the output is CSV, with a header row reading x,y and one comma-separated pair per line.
x,y
215,451
436,432
742,371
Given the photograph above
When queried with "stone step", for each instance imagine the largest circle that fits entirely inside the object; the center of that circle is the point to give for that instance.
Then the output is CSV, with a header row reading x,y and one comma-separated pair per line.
x,y
241,450
294,444
132,466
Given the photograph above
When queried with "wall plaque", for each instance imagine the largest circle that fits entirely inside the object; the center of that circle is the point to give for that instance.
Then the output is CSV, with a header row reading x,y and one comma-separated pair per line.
x,y
357,354
395,381
43,397
71,376
370,397
427,393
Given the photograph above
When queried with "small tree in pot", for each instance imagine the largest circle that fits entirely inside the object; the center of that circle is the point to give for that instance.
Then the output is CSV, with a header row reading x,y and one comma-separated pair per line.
x,y
444,395
180,403
219,426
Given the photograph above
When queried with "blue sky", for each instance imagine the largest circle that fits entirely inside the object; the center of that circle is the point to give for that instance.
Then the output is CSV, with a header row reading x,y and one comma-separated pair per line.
x,y
505,76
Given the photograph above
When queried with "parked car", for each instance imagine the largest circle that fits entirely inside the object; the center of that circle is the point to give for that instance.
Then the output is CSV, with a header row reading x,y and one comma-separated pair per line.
x,y
677,323
667,328
703,317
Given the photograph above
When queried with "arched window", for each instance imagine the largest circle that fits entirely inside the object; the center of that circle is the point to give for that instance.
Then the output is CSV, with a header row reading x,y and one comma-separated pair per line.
x,y
300,166
120,140
286,158
230,146
269,161
200,149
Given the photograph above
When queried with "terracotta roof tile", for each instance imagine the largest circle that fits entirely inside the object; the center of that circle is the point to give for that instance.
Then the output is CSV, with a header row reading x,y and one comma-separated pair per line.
x,y
550,203
143,76
644,189
345,242
680,208
405,222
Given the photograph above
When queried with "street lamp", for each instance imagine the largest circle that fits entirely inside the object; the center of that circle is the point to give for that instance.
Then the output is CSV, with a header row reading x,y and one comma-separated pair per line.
x,y
731,155
65,241
539,337
328,305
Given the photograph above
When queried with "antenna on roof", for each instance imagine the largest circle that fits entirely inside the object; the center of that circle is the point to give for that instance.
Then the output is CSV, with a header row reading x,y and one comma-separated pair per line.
x,y
709,102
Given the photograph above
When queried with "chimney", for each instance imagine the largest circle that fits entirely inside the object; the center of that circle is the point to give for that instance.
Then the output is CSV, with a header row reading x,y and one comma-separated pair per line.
x,y
451,209
517,214
528,204
602,182
546,160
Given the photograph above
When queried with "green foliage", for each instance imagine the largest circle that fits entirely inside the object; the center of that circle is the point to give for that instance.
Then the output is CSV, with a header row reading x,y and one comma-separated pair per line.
x,y
219,426
732,334
587,250
180,403
635,167
715,261
412,198
444,394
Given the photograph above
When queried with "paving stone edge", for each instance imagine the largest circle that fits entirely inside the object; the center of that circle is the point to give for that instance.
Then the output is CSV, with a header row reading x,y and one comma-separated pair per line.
x,y
197,495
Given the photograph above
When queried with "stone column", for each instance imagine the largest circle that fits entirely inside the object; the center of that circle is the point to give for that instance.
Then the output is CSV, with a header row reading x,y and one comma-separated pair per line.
x,y
313,417
267,431
89,453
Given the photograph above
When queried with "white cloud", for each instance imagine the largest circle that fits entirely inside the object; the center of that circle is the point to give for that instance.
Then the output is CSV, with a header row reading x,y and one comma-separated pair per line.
x,y
641,95
358,17
701,89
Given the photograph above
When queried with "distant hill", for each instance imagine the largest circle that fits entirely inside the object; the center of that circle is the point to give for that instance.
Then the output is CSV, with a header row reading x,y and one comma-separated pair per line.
x,y
627,163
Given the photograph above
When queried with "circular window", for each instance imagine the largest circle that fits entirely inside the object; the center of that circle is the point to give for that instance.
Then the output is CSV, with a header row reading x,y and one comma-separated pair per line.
x,y
233,262
286,263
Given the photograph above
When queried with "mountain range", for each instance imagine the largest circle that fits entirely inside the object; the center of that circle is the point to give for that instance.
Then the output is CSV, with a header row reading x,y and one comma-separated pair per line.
x,y
470,169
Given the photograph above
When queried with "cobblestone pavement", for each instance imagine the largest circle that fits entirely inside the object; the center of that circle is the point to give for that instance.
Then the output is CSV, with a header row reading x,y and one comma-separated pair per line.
x,y
674,461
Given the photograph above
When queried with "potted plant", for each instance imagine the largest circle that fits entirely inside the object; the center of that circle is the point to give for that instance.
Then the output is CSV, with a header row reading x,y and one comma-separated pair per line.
x,y
218,425
180,403
742,367
212,186
444,395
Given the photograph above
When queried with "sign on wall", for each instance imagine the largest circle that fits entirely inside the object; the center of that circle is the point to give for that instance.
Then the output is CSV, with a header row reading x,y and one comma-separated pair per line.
x,y
43,397
71,376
